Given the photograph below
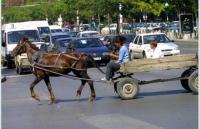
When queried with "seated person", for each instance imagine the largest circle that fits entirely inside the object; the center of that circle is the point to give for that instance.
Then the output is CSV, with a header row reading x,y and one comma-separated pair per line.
x,y
122,57
154,52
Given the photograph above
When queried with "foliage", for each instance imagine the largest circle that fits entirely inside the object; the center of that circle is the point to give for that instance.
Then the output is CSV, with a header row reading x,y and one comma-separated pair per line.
x,y
89,9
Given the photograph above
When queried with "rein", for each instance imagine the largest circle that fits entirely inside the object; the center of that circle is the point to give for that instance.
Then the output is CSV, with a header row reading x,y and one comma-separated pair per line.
x,y
67,75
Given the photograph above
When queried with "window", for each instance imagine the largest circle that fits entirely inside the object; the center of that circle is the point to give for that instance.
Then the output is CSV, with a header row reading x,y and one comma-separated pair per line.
x,y
159,38
140,41
136,39
15,36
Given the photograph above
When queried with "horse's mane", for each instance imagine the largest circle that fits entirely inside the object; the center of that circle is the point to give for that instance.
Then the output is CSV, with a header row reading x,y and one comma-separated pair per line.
x,y
33,46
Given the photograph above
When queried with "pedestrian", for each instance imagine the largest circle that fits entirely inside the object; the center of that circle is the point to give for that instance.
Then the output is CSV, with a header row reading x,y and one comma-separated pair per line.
x,y
122,57
154,51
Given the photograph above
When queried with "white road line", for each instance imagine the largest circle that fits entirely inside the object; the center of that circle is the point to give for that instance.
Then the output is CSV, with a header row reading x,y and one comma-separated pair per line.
x,y
117,121
17,76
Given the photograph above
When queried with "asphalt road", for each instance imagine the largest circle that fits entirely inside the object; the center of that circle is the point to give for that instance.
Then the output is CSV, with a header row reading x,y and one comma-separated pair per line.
x,y
158,106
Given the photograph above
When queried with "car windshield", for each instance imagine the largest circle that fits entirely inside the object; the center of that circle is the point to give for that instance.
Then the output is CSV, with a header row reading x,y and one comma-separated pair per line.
x,y
159,38
43,31
15,36
55,37
90,35
63,43
87,43
56,30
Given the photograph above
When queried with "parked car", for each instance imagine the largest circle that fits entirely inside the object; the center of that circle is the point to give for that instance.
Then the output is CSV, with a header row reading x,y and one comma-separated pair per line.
x,y
61,45
141,43
52,39
59,35
109,40
72,33
88,34
55,28
91,46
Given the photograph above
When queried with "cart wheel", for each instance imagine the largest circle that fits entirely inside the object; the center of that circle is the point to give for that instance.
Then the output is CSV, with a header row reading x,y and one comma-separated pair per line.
x,y
127,88
185,82
193,82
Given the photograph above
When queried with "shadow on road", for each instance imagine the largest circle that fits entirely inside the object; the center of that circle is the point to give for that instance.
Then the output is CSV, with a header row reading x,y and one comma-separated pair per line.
x,y
160,93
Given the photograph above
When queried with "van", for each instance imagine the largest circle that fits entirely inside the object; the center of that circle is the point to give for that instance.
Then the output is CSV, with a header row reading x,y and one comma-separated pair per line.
x,y
42,26
11,34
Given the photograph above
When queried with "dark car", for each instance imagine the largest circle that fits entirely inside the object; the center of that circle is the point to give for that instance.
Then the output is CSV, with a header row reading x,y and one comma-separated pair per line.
x,y
91,46
55,36
72,33
52,39
61,45
109,40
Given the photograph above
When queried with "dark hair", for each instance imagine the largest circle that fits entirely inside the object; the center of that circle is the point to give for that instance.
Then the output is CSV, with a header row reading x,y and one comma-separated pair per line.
x,y
153,43
119,39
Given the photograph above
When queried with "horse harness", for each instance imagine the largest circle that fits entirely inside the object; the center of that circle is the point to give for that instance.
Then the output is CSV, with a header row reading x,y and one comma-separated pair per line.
x,y
37,56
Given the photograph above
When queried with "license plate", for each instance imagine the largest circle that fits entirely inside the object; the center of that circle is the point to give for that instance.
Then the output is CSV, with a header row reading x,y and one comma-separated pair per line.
x,y
97,58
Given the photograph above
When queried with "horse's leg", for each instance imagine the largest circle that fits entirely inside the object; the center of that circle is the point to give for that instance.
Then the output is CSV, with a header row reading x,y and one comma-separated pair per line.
x,y
90,83
33,94
51,95
79,91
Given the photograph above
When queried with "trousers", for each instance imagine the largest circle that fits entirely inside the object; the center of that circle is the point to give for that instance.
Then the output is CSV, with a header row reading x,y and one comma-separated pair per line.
x,y
111,68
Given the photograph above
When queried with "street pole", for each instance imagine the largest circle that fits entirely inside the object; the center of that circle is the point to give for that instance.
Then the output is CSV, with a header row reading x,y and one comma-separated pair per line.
x,y
166,5
77,20
120,18
99,28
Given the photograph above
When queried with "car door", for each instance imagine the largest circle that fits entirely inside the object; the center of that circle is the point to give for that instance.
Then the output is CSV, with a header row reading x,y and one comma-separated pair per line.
x,y
136,47
140,48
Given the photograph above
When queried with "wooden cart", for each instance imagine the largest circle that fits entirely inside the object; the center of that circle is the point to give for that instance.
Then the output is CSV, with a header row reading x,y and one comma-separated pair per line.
x,y
127,86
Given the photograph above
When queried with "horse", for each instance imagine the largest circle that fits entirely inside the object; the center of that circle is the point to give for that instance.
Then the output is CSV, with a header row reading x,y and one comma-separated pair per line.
x,y
61,63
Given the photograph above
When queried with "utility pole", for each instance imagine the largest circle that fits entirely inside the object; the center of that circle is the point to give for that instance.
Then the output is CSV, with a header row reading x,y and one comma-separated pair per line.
x,y
77,20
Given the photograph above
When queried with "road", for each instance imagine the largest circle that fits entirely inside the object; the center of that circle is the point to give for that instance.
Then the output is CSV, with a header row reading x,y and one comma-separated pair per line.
x,y
158,106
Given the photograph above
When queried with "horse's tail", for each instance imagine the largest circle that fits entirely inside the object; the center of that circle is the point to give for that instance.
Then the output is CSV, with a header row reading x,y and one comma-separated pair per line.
x,y
91,62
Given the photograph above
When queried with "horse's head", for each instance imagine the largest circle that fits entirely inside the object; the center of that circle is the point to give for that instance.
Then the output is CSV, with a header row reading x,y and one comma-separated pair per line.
x,y
22,46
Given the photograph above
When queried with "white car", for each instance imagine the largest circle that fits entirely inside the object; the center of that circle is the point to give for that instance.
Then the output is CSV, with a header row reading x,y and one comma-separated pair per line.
x,y
88,34
141,43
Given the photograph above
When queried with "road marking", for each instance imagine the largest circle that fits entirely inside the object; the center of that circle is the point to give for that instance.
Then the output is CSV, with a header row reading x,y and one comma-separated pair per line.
x,y
16,76
117,121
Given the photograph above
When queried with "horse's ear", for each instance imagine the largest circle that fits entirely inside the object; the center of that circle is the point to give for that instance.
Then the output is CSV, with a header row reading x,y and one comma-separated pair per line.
x,y
24,39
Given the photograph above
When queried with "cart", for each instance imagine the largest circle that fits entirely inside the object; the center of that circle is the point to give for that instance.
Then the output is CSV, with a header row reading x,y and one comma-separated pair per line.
x,y
127,86
22,63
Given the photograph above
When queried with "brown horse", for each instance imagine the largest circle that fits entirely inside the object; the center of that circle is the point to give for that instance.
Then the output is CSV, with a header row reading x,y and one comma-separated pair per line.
x,y
62,63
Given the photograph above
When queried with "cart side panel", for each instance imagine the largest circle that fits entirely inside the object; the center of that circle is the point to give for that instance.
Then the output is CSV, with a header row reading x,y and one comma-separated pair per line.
x,y
166,63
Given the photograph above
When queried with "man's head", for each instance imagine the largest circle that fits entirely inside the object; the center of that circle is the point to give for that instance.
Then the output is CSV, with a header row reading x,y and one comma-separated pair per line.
x,y
119,41
153,44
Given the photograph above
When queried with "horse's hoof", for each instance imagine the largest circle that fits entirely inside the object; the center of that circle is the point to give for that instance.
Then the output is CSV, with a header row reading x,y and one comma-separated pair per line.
x,y
91,99
78,97
51,102
36,98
